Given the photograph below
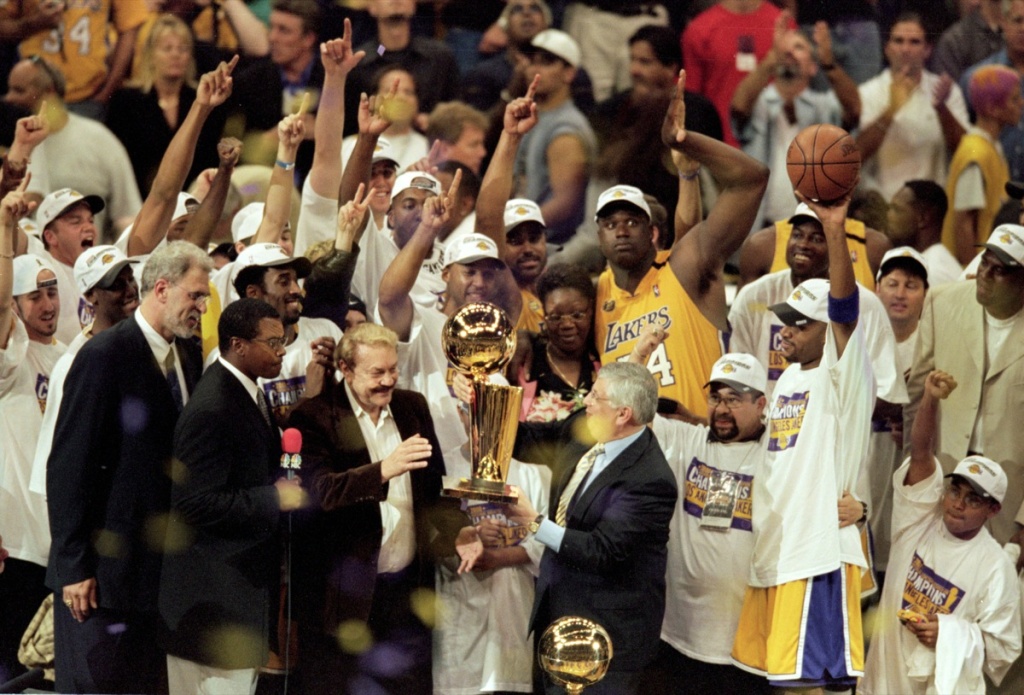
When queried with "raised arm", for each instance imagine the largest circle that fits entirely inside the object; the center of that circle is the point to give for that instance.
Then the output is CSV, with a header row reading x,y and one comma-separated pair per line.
x,y
290,132
12,208
373,121
843,305
698,259
28,132
394,304
157,210
496,187
253,39
871,135
200,228
952,129
841,83
937,386
338,60
743,99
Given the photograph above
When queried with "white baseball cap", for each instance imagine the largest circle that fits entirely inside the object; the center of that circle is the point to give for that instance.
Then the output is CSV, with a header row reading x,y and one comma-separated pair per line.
x,y
470,248
622,194
1007,242
246,222
99,266
803,210
558,43
383,151
519,210
807,302
56,204
902,254
185,201
739,371
26,274
269,256
984,475
29,226
415,179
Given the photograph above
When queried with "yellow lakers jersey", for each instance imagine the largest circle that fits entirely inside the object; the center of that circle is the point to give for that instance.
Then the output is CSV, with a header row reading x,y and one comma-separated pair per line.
x,y
79,46
682,363
531,318
856,241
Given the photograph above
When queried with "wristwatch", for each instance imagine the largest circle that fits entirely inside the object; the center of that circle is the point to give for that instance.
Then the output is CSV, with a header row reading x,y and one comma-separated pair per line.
x,y
534,525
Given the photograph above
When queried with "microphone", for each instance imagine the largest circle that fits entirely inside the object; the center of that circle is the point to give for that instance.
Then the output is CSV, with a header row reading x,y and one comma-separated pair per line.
x,y
291,446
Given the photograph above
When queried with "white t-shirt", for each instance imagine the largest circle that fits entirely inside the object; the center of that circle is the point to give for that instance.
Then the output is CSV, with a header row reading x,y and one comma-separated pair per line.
x,y
707,568
423,367
480,640
818,426
931,571
377,250
913,147
25,368
943,266
53,400
318,217
284,391
755,330
996,333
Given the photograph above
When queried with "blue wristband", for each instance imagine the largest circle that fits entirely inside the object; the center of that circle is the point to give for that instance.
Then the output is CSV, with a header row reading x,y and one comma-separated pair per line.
x,y
845,310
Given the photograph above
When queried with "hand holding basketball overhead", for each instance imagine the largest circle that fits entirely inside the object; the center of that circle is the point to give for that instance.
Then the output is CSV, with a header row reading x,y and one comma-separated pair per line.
x,y
823,162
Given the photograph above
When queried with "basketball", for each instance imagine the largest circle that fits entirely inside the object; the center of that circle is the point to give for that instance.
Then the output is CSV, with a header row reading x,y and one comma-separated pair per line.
x,y
823,162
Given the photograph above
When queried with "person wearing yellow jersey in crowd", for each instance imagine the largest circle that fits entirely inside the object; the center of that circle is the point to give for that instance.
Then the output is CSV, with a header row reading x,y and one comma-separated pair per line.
x,y
73,35
765,251
682,289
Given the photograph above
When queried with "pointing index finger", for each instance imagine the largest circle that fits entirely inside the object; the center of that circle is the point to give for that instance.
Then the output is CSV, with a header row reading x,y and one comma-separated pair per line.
x,y
533,87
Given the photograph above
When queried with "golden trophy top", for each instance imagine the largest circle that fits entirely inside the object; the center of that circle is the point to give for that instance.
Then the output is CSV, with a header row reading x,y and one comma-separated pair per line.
x,y
575,652
479,339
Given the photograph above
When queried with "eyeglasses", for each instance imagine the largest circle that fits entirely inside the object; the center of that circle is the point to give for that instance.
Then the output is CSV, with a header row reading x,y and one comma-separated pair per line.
x,y
577,316
274,344
731,402
198,298
969,497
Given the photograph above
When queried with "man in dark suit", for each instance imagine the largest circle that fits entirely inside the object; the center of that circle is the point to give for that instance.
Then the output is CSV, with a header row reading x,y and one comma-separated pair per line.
x,y
613,496
215,591
108,490
373,466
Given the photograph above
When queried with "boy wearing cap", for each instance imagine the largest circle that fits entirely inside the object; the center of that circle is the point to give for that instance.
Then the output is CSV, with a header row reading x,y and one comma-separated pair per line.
x,y
526,254
975,329
801,624
680,290
951,609
554,161
29,315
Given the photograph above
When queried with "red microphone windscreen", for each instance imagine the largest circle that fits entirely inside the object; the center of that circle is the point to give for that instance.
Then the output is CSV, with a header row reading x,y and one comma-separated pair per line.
x,y
291,441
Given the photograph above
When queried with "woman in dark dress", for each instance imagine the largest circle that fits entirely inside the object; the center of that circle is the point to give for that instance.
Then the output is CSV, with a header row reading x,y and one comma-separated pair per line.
x,y
563,364
146,116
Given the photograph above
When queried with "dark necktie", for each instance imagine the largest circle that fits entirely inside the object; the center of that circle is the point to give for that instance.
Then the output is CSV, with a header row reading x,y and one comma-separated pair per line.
x,y
172,380
261,401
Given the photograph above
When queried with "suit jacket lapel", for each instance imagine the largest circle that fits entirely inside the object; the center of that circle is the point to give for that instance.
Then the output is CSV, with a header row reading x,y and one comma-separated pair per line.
x,y
610,473
973,323
154,374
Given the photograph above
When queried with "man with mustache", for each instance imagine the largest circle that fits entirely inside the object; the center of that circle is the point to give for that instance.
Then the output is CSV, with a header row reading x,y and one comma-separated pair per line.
x,y
372,464
108,483
265,271
29,315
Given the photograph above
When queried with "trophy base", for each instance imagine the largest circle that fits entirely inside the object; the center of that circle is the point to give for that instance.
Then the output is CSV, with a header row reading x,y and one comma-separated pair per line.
x,y
482,490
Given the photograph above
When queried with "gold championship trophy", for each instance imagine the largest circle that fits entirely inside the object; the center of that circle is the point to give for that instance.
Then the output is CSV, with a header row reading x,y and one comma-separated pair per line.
x,y
575,652
479,340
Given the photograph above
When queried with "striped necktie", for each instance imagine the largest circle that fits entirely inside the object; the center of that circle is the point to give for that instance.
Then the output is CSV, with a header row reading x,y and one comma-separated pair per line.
x,y
578,475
